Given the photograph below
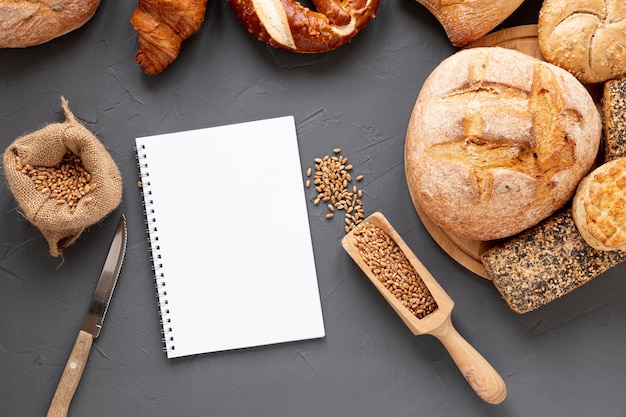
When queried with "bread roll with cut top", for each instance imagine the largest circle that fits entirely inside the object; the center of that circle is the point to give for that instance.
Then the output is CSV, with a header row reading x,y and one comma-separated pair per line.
x,y
586,37
599,206
497,141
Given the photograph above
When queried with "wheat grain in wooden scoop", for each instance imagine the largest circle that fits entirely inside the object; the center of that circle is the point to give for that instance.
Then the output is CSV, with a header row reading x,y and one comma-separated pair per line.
x,y
418,299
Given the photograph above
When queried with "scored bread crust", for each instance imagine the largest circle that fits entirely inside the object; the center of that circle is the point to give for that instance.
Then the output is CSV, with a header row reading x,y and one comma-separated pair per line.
x,y
287,24
599,206
497,141
25,23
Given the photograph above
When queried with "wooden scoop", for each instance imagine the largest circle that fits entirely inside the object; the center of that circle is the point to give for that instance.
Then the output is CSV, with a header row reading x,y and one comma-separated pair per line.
x,y
481,376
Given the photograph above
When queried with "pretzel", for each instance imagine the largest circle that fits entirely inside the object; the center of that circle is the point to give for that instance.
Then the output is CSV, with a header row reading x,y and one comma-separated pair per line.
x,y
286,24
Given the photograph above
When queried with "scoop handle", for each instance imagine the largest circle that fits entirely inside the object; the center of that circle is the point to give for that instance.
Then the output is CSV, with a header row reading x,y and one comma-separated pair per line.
x,y
481,376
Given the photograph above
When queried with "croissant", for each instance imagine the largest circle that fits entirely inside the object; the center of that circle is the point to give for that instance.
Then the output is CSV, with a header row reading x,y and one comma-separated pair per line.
x,y
162,26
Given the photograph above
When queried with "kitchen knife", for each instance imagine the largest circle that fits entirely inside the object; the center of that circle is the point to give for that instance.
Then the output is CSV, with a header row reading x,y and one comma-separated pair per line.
x,y
91,325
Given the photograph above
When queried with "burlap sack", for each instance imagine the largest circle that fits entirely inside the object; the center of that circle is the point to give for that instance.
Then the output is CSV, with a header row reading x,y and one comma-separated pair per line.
x,y
59,223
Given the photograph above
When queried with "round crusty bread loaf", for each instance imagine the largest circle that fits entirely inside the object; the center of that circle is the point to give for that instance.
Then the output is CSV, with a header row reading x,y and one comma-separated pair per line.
x,y
26,23
599,206
497,141
586,37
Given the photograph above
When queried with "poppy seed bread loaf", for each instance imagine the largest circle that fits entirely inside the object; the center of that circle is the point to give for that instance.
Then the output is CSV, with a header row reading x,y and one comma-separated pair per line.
x,y
498,141
545,262
614,113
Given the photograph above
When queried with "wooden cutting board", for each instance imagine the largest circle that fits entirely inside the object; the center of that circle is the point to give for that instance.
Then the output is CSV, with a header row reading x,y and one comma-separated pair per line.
x,y
465,251
520,38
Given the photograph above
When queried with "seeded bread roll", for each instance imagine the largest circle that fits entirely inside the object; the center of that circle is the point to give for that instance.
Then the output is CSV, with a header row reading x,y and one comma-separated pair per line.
x,y
586,37
599,206
614,117
545,263
26,23
497,141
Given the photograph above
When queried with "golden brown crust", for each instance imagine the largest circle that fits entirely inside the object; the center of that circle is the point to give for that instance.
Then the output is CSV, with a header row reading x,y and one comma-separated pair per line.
x,y
467,21
586,37
286,24
162,26
599,206
497,141
25,23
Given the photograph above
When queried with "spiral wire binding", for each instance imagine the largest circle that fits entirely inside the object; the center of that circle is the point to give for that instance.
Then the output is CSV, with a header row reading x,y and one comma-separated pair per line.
x,y
155,252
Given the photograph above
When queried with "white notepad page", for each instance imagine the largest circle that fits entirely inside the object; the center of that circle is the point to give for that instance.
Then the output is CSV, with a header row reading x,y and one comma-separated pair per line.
x,y
228,225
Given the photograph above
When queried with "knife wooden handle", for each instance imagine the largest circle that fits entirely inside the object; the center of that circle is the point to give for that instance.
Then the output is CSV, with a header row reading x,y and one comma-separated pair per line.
x,y
71,375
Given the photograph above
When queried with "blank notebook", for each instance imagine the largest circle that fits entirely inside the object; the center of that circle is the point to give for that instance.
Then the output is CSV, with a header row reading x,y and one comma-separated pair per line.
x,y
230,238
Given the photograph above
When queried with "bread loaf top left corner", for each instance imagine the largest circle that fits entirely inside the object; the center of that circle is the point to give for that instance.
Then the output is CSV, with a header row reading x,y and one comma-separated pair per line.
x,y
25,23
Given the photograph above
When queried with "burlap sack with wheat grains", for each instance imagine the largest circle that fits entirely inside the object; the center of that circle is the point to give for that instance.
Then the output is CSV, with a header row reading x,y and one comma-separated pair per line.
x,y
59,224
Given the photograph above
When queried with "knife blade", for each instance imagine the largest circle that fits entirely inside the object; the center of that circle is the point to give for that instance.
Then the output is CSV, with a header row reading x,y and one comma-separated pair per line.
x,y
92,324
